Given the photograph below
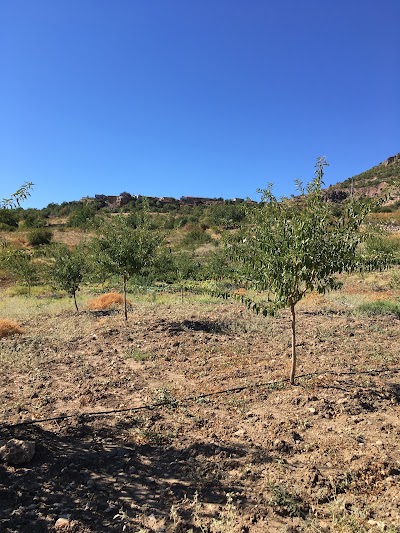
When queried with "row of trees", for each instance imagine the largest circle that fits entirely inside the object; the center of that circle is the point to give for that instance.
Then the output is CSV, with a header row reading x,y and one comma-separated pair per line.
x,y
282,250
121,249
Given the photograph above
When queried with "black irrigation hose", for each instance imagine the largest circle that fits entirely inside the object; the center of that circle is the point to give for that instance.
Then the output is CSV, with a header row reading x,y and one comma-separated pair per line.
x,y
83,416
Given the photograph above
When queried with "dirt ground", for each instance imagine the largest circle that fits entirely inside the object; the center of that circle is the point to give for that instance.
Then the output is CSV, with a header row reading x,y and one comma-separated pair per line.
x,y
205,433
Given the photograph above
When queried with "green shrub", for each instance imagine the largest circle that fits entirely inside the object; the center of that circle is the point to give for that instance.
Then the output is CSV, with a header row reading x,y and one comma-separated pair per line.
x,y
40,236
32,220
196,237
380,307
8,220
6,227
82,216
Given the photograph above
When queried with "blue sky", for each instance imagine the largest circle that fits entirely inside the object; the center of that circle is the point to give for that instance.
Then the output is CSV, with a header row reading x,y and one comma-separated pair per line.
x,y
189,97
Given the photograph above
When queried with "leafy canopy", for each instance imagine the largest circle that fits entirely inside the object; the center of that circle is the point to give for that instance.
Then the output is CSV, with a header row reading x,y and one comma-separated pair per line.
x,y
124,250
69,268
297,245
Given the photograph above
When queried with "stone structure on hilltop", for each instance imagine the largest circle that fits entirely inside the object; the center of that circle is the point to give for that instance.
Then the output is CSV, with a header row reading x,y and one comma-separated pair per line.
x,y
392,159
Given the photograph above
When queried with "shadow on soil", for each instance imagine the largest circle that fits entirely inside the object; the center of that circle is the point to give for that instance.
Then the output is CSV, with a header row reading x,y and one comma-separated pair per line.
x,y
87,475
207,326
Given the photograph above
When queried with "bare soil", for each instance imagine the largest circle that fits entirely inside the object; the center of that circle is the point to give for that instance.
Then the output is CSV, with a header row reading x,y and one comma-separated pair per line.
x,y
205,432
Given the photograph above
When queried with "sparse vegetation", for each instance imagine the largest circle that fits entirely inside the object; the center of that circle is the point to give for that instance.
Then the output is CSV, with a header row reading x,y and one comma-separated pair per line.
x,y
182,420
380,307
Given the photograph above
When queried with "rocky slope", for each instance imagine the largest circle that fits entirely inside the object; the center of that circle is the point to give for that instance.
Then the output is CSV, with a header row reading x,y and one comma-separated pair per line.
x,y
372,182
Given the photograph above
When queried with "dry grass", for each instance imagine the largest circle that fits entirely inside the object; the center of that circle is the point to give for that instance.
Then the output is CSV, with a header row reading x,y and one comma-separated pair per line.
x,y
9,327
70,237
106,301
385,218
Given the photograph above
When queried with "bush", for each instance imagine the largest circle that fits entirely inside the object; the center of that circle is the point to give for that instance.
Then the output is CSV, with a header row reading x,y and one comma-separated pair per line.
x,y
196,237
8,220
40,236
6,227
82,217
9,327
32,220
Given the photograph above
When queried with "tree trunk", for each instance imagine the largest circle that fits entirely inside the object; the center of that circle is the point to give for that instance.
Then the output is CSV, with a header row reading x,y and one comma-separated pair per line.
x,y
125,309
293,371
76,305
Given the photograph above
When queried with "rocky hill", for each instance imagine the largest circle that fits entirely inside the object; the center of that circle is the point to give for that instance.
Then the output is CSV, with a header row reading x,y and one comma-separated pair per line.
x,y
370,183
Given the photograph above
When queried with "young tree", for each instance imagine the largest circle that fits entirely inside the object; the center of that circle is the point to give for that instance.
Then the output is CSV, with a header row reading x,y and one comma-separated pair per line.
x,y
21,263
16,198
69,269
125,249
184,268
291,247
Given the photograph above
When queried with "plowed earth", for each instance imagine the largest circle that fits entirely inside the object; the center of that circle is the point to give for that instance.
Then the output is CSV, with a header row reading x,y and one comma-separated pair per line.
x,y
217,440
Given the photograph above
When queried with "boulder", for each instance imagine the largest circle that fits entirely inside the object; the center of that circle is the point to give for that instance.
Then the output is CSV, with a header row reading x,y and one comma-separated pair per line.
x,y
16,452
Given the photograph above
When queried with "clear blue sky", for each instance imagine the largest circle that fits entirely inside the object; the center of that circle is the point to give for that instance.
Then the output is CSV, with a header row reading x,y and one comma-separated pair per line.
x,y
194,97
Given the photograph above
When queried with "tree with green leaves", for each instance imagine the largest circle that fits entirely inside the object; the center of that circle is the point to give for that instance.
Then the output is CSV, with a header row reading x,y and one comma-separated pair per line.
x,y
68,270
291,247
18,196
126,249
22,264
19,261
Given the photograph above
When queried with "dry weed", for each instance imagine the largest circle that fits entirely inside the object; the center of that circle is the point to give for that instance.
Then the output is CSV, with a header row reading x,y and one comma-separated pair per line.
x,y
106,301
9,327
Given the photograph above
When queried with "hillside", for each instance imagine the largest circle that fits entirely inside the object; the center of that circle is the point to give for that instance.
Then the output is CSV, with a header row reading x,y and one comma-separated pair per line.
x,y
371,182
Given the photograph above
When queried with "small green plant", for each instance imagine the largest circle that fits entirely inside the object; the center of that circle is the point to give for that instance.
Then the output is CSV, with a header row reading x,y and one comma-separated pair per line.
x,y
163,395
379,307
137,355
227,519
351,520
155,437
286,503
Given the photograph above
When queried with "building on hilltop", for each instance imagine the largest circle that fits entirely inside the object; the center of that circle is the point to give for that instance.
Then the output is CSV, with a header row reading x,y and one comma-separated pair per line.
x,y
197,200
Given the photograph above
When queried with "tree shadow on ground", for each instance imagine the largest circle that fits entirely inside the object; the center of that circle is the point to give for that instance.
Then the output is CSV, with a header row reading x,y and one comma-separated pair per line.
x,y
87,475
207,326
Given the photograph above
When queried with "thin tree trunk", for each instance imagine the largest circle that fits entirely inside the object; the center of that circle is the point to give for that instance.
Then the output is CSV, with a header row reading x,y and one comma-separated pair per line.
x,y
181,295
293,371
76,305
125,309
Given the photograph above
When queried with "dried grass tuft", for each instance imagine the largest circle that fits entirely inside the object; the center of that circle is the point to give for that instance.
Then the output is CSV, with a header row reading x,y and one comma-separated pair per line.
x,y
106,301
9,327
